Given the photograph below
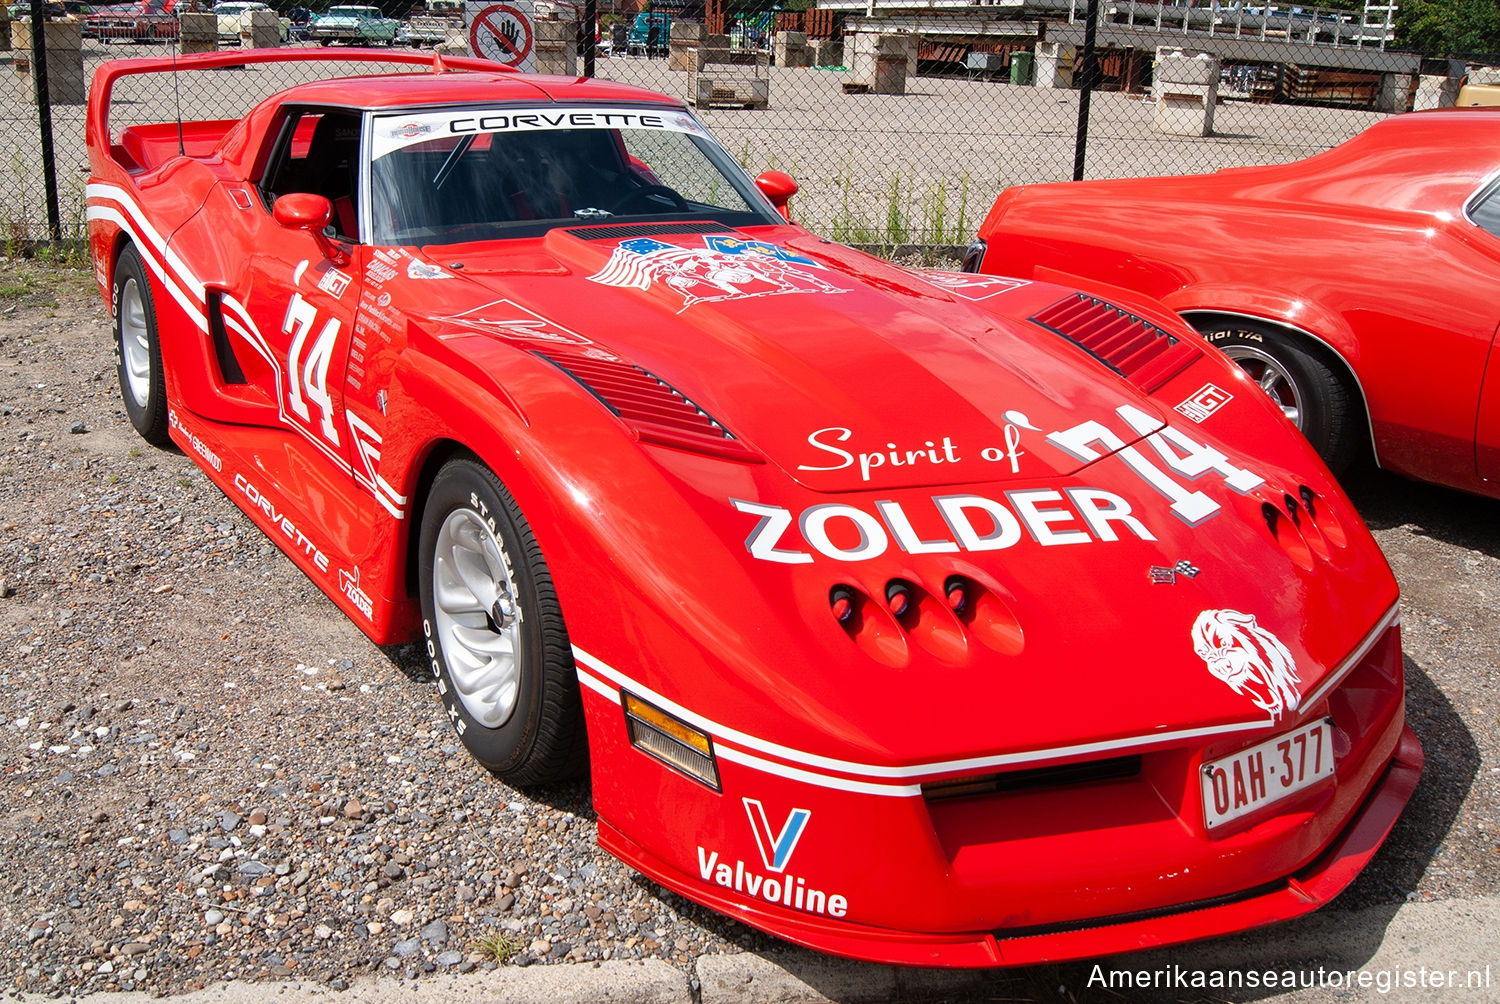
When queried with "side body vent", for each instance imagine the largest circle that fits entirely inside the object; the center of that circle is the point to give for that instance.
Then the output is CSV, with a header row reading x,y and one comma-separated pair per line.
x,y
612,231
1132,346
659,412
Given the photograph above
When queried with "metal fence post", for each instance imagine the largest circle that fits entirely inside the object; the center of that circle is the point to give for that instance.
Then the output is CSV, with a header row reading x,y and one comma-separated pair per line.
x,y
590,24
1085,88
44,115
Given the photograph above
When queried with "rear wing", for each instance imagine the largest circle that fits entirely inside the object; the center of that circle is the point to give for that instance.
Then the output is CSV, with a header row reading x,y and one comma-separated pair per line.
x,y
97,132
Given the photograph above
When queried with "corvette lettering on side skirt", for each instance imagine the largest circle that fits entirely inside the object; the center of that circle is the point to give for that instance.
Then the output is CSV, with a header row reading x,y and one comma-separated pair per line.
x,y
279,518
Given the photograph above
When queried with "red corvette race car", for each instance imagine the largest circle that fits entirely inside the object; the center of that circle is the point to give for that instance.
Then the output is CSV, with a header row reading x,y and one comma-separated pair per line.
x,y
1357,287
921,617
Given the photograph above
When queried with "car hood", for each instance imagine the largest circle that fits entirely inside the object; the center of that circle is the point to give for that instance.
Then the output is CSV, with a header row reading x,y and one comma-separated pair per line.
x,y
1112,596
846,372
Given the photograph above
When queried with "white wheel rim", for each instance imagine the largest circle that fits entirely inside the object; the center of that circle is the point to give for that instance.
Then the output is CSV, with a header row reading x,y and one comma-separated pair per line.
x,y
135,344
478,618
1272,376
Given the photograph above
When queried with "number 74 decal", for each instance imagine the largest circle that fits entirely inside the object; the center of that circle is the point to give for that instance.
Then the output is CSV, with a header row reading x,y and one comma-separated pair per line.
x,y
307,384
1177,450
308,377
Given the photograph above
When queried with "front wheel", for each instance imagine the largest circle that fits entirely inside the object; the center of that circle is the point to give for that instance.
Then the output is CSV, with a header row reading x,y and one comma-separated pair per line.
x,y
138,349
494,632
1296,375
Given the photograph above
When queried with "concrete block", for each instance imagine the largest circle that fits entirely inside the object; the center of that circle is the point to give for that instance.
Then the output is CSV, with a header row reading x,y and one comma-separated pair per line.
x,y
791,49
64,43
827,51
260,29
198,31
556,47
1435,92
1184,66
1396,92
1181,111
1054,65
881,63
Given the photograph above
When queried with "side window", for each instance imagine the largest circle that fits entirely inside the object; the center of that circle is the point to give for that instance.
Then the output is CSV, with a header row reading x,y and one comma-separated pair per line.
x,y
1484,211
669,158
318,152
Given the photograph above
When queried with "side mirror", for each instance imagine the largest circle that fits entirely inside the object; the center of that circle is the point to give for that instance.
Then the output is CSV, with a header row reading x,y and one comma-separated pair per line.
x,y
313,213
779,187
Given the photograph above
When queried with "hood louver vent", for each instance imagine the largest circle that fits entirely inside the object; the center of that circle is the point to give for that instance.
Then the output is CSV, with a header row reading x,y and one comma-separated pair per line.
x,y
625,230
659,412
1133,347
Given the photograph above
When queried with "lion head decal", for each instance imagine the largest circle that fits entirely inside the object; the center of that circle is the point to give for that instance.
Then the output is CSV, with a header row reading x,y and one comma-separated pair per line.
x,y
1250,659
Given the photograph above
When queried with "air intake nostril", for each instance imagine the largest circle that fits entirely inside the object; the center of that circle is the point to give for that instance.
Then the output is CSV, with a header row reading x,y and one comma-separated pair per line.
x,y
898,598
1288,534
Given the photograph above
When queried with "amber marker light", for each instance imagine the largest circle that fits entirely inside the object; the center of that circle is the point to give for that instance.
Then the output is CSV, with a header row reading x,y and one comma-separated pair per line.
x,y
670,740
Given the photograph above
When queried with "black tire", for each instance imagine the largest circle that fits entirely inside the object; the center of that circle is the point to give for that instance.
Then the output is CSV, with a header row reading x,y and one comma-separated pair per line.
x,y
540,739
1299,376
138,349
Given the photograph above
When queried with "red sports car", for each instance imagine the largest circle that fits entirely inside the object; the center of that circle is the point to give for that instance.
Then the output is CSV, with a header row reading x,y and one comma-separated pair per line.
x,y
1357,286
928,618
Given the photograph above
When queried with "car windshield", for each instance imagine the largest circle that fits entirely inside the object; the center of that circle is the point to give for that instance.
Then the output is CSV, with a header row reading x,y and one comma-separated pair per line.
x,y
350,12
476,174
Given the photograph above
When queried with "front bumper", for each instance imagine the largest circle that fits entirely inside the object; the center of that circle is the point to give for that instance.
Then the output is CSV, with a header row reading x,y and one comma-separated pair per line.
x,y
1293,895
1037,872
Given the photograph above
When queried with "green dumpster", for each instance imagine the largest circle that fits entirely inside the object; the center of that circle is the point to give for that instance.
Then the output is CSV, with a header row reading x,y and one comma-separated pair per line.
x,y
1020,66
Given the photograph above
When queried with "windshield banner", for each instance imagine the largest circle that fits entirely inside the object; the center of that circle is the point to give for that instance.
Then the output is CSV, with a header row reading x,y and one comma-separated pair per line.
x,y
394,132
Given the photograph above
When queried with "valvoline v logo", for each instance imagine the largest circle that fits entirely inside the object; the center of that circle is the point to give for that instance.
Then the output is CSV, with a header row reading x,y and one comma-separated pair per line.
x,y
776,848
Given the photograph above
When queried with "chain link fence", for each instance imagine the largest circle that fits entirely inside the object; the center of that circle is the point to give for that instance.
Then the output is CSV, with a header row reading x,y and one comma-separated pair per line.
x,y
901,123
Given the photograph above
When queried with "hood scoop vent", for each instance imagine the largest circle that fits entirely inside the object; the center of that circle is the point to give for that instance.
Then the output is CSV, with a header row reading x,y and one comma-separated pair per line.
x,y
623,231
1146,355
659,412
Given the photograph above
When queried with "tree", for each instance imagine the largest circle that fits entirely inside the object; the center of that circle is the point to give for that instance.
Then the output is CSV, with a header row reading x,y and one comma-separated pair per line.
x,y
1449,27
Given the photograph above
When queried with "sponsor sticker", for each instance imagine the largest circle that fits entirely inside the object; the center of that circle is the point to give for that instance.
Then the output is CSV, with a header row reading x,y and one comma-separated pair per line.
x,y
971,286
707,274
511,320
1204,401
776,847
334,283
422,270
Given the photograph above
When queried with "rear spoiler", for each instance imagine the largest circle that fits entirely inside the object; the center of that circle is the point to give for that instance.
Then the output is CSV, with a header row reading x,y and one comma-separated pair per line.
x,y
97,123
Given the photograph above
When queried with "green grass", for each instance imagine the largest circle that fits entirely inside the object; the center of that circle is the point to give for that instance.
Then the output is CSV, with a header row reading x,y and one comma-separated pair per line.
x,y
498,946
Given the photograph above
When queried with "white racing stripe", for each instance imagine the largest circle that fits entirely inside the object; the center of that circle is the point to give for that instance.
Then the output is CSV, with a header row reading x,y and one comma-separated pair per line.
x,y
191,294
878,779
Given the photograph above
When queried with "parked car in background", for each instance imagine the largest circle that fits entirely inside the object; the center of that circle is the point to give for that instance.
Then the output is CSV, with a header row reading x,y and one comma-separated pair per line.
x,y
650,34
138,21
433,24
231,18
300,22
921,617
1358,287
55,10
354,26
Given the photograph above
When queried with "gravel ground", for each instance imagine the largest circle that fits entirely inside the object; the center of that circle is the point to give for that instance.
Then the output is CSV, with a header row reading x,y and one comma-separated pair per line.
x,y
209,773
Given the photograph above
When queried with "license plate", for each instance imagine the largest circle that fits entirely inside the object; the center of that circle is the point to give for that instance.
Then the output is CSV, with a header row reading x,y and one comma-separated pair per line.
x,y
1278,768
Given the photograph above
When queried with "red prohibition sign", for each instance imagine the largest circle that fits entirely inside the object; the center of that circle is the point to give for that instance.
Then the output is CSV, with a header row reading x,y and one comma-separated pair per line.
x,y
502,33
